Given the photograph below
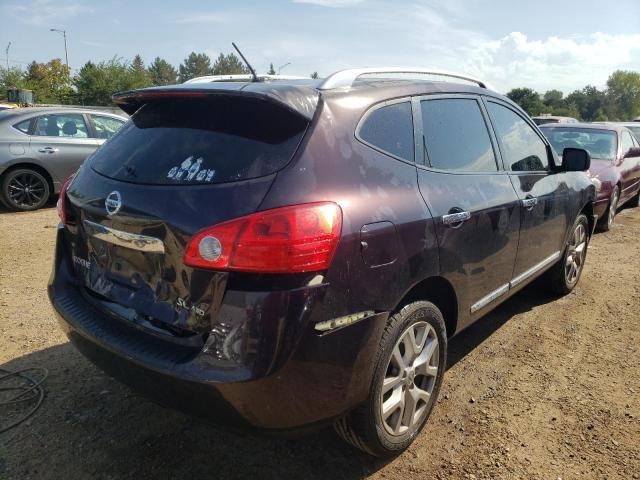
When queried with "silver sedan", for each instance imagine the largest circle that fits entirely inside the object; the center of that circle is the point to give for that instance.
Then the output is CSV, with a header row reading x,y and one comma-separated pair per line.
x,y
41,146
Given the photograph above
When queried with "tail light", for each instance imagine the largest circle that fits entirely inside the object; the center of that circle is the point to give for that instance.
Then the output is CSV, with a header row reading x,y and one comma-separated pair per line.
x,y
61,205
299,238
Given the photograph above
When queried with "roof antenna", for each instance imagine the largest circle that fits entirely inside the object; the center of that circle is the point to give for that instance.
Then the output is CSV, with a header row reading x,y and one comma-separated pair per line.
x,y
253,72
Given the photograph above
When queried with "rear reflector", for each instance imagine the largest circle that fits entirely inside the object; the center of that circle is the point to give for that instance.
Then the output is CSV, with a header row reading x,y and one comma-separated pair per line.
x,y
298,238
61,204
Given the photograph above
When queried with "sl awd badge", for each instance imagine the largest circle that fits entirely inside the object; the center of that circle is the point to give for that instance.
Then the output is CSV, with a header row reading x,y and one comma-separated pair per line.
x,y
113,203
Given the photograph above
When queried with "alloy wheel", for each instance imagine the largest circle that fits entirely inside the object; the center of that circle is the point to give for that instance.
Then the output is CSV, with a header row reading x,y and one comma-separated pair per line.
x,y
26,190
576,251
410,378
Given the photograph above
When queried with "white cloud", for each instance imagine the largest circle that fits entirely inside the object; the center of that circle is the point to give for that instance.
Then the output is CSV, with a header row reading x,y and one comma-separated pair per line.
x,y
47,12
330,3
565,63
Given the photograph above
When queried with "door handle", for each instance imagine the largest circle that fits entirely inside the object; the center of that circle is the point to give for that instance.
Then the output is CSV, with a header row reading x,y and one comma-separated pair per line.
x,y
48,150
456,219
529,202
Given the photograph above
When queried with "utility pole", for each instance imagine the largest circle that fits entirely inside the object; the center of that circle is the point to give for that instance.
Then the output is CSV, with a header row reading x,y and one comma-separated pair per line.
x,y
64,34
282,66
7,52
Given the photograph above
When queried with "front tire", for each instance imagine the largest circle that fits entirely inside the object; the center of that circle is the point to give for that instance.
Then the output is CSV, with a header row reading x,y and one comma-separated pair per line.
x,y
408,373
610,214
24,189
564,276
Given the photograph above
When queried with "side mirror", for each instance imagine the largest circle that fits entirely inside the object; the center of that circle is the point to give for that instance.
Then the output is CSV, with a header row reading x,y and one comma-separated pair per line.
x,y
575,160
632,152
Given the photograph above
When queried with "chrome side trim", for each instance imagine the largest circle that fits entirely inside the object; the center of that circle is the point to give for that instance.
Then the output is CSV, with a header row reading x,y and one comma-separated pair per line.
x,y
486,300
345,78
124,239
536,268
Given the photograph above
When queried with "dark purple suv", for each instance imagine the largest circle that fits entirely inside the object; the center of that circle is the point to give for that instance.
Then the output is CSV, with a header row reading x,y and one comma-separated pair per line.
x,y
285,254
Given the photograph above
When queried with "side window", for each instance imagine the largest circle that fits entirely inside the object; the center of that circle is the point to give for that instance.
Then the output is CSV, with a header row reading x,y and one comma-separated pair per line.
x,y
627,142
521,147
455,136
61,125
23,126
390,129
106,127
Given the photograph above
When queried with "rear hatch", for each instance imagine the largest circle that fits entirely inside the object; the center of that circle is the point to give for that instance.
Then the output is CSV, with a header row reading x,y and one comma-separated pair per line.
x,y
182,163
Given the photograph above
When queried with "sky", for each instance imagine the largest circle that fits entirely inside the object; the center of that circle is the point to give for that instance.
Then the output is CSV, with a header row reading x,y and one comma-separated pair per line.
x,y
541,44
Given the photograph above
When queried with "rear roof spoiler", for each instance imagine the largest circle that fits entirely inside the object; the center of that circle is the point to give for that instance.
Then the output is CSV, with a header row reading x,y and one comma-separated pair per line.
x,y
299,99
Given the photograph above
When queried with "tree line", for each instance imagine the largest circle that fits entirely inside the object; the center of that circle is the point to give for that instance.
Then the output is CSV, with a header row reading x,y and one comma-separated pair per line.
x,y
94,83
620,100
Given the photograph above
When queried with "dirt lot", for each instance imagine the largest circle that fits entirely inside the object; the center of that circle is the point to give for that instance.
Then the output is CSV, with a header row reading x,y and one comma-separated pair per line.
x,y
540,388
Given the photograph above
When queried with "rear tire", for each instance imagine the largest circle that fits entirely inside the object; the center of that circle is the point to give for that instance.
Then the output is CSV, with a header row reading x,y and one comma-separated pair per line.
x,y
24,189
635,201
605,224
564,275
401,398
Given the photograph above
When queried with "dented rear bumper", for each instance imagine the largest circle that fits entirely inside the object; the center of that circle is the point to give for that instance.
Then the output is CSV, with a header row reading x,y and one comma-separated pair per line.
x,y
262,365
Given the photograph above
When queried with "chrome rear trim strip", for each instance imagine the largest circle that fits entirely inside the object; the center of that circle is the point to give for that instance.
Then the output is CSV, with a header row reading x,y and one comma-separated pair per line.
x,y
124,239
535,269
486,300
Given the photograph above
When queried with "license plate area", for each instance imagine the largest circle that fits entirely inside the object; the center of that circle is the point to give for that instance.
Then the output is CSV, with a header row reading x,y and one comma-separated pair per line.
x,y
144,278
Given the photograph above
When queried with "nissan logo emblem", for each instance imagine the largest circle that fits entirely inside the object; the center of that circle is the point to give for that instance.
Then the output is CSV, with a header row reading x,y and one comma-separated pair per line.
x,y
113,203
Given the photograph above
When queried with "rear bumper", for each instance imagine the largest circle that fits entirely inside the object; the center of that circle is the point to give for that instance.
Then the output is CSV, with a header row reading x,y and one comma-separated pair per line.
x,y
283,376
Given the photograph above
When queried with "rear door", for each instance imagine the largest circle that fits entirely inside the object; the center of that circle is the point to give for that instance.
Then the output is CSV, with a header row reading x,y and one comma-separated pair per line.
x,y
471,198
543,195
62,142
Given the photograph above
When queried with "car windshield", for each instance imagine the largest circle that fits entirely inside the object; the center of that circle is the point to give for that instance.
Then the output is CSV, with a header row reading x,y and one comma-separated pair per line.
x,y
600,144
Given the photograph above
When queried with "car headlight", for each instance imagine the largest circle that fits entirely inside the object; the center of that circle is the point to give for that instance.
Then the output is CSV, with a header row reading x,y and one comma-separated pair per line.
x,y
596,183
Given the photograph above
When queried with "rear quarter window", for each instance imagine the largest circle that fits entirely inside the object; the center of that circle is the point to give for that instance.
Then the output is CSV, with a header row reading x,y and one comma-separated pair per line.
x,y
389,128
23,126
196,141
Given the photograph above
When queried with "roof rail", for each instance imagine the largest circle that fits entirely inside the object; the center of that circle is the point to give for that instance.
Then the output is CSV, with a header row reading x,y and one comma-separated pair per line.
x,y
346,78
242,77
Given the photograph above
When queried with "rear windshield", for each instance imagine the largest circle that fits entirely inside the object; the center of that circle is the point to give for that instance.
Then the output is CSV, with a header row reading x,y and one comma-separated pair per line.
x,y
600,144
195,141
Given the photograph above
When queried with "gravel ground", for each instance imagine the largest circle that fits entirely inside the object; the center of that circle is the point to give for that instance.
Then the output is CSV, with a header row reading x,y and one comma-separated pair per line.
x,y
540,388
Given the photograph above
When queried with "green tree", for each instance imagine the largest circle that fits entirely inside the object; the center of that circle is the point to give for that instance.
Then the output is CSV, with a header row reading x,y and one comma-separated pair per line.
x,y
590,102
553,99
528,100
229,65
139,76
195,65
50,82
162,72
272,71
13,77
623,94
96,83
314,75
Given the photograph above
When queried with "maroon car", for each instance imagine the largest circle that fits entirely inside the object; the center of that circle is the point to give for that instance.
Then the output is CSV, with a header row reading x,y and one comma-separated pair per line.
x,y
615,166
